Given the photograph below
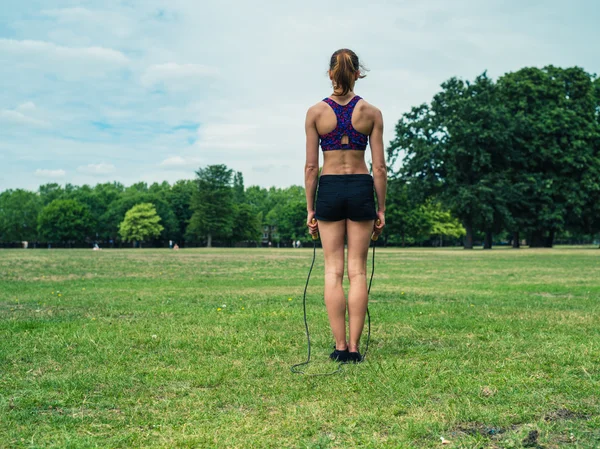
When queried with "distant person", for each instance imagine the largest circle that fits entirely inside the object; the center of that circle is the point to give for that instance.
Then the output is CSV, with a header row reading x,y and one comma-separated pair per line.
x,y
97,247
298,244
112,243
343,123
170,244
176,247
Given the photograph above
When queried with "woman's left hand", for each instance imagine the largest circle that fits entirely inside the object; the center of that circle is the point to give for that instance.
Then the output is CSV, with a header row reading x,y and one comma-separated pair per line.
x,y
311,222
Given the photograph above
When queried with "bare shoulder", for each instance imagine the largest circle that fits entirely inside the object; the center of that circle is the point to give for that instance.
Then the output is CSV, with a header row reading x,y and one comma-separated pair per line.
x,y
370,110
316,110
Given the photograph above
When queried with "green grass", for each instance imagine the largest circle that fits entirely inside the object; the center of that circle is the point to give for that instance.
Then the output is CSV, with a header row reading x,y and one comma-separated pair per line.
x,y
128,349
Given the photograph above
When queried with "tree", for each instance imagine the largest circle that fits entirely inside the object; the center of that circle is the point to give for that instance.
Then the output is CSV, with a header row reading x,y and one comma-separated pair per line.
x,y
50,192
477,130
556,135
406,220
590,222
106,194
239,195
457,150
442,223
157,194
258,197
65,221
180,199
212,204
140,223
19,211
246,224
291,214
87,196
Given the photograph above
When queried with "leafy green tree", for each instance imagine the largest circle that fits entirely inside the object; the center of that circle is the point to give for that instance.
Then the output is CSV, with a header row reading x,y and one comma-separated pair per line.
x,y
106,194
287,213
50,192
258,197
556,136
457,151
160,196
406,220
19,211
239,195
157,194
141,222
87,196
590,222
246,224
180,199
65,221
292,214
442,223
212,204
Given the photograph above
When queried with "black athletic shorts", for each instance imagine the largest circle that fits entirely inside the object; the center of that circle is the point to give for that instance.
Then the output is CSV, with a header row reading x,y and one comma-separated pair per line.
x,y
345,196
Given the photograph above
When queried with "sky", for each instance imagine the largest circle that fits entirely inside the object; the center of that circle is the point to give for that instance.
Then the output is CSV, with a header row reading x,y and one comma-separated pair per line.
x,y
151,90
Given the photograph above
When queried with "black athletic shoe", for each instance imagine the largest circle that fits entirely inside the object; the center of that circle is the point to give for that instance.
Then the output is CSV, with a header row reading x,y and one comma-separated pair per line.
x,y
339,356
355,357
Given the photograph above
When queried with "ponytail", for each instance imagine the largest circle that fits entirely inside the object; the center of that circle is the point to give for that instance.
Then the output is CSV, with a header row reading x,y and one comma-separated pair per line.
x,y
343,67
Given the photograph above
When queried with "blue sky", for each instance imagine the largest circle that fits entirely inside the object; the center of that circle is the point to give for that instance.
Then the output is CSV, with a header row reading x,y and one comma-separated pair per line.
x,y
133,90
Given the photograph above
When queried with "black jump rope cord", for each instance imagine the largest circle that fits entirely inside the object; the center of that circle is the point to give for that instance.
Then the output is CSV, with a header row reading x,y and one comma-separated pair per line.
x,y
339,368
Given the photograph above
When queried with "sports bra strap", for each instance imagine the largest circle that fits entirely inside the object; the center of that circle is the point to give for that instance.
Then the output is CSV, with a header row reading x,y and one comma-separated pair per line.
x,y
344,128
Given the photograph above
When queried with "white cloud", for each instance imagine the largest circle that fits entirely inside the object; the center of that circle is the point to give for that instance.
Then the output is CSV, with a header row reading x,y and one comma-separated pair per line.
x,y
178,162
174,161
112,23
45,50
25,107
176,76
52,174
22,116
69,14
96,169
230,136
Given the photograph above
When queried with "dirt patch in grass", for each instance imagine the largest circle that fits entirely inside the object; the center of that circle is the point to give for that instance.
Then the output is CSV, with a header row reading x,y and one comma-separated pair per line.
x,y
565,414
480,429
62,278
531,440
494,433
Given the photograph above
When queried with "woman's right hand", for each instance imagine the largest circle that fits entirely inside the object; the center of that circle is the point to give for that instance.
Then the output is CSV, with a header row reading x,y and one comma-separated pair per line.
x,y
379,223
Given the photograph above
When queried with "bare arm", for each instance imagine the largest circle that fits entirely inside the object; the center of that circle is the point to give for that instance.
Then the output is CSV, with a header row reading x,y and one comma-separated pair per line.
x,y
378,160
311,169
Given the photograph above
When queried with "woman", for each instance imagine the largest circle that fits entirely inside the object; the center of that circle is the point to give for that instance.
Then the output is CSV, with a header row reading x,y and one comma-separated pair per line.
x,y
343,123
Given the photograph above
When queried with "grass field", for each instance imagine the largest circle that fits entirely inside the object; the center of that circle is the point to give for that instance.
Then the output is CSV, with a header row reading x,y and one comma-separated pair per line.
x,y
156,348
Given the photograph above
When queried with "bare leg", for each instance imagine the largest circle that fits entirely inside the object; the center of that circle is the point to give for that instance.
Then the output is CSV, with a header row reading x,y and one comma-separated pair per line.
x,y
359,237
332,238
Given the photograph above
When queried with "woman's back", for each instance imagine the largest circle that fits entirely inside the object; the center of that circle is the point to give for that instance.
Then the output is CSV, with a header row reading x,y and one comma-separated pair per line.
x,y
362,117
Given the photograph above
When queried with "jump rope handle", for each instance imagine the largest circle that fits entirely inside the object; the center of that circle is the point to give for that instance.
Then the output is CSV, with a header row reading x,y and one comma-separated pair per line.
x,y
315,236
374,236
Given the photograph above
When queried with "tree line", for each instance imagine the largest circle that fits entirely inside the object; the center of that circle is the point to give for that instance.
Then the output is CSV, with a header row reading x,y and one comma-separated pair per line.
x,y
215,205
213,208
506,161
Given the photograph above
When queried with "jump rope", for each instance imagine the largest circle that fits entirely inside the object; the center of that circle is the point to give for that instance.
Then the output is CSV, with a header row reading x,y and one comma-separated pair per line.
x,y
295,368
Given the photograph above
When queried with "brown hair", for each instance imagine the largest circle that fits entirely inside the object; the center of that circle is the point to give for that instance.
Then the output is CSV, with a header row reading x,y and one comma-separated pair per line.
x,y
343,67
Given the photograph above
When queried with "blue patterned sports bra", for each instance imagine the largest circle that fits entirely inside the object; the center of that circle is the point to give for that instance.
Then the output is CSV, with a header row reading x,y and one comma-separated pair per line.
x,y
333,139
